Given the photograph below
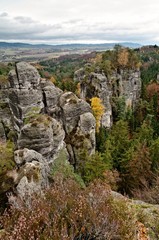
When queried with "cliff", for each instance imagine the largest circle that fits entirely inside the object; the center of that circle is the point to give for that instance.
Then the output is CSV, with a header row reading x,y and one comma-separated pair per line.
x,y
122,84
42,121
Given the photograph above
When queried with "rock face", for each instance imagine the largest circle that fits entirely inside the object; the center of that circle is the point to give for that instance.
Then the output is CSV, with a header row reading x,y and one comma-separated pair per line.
x,y
125,84
33,172
42,121
25,95
44,135
5,112
79,125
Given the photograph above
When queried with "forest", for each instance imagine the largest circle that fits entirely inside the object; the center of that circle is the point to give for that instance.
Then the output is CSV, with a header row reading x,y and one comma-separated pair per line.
x,y
79,203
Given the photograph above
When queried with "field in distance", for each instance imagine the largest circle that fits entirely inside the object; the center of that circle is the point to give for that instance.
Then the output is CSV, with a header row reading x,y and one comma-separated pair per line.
x,y
15,52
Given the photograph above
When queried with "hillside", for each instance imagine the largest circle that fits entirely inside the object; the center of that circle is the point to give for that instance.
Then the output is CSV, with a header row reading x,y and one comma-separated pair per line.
x,y
81,133
68,46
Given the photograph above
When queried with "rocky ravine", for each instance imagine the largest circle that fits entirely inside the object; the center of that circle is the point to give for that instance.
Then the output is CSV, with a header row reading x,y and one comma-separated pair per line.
x,y
42,120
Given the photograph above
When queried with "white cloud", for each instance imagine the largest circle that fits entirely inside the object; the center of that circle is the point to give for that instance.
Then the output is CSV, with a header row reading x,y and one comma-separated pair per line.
x,y
79,21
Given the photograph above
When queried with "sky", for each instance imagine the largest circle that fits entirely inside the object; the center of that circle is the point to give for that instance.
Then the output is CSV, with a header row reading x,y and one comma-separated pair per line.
x,y
84,21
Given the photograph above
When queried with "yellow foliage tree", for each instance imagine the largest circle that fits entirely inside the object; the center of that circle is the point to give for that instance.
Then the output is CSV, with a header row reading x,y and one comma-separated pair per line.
x,y
53,80
98,110
123,57
78,89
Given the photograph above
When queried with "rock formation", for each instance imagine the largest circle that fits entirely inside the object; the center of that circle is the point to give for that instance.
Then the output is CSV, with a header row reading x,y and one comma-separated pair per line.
x,y
124,84
42,121
79,125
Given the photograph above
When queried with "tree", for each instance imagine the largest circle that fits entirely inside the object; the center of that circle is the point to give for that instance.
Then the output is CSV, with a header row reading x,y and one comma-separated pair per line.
x,y
98,110
123,57
139,174
53,80
101,137
118,144
154,153
94,168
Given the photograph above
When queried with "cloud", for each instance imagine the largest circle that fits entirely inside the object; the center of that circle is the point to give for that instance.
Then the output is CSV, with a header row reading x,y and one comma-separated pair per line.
x,y
4,14
25,20
23,28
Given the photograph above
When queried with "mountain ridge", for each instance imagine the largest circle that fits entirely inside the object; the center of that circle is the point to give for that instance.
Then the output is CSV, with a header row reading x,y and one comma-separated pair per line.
x,y
63,46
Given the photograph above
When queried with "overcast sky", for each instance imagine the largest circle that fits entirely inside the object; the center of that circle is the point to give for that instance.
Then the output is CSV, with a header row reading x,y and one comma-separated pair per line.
x,y
84,21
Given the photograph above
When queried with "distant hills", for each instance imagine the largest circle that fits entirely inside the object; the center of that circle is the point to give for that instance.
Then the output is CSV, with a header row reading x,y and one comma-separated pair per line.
x,y
69,46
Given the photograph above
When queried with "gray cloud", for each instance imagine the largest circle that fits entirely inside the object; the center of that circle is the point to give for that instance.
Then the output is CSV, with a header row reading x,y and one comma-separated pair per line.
x,y
23,28
25,20
4,14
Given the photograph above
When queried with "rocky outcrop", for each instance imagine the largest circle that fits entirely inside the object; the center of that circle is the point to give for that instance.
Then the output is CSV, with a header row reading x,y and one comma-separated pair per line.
x,y
51,95
32,174
5,112
146,216
25,95
44,135
79,125
125,84
45,121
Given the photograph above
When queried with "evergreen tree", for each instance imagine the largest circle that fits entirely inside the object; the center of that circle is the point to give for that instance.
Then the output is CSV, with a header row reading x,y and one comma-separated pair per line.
x,y
117,144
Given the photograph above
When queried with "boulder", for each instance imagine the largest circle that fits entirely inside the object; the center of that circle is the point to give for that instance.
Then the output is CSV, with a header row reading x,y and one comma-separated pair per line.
x,y
51,95
79,125
25,76
43,134
72,107
32,173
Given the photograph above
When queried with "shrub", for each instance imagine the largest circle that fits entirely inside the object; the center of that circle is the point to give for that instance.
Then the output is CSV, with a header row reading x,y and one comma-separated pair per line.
x,y
6,160
6,164
62,167
91,167
69,213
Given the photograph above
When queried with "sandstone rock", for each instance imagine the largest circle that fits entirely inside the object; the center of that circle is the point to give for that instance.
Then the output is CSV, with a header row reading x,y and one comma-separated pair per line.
x,y
72,107
29,95
24,76
25,95
96,85
126,85
79,125
45,121
51,96
6,124
26,155
44,135
32,175
26,188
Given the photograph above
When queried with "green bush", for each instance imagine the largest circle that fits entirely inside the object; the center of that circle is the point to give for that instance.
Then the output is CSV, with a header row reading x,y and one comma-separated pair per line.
x,y
61,167
6,164
91,167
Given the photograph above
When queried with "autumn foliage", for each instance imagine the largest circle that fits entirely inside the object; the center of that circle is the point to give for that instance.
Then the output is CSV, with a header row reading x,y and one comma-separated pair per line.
x,y
123,57
67,212
98,110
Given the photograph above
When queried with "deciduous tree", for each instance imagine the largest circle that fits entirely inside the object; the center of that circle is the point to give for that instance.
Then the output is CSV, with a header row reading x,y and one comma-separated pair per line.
x,y
98,110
